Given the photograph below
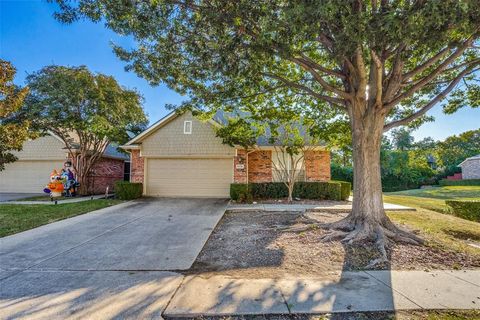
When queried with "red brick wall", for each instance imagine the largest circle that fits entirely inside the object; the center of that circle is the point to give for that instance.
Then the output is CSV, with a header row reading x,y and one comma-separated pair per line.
x,y
260,166
317,166
239,173
104,173
137,166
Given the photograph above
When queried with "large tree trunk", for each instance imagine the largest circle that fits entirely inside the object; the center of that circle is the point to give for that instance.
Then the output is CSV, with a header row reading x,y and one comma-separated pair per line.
x,y
367,221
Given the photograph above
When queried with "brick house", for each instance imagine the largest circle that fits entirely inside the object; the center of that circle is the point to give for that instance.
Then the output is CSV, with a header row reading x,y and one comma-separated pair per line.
x,y
180,156
471,167
31,172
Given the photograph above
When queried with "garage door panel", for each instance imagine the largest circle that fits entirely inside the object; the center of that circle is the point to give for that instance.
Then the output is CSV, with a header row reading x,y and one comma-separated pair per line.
x,y
27,176
189,177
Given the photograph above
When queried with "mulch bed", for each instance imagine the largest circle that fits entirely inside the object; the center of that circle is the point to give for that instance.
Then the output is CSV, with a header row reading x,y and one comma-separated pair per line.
x,y
250,244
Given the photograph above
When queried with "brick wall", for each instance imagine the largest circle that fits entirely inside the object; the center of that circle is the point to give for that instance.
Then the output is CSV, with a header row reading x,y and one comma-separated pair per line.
x,y
137,166
104,173
317,166
240,167
260,166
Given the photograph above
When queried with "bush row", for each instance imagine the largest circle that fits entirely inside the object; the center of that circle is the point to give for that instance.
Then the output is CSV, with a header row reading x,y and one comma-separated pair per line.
x,y
324,190
468,182
125,190
466,209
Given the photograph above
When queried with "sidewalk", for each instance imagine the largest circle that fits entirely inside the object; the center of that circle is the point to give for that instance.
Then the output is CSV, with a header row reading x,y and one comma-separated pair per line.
x,y
340,292
63,201
307,207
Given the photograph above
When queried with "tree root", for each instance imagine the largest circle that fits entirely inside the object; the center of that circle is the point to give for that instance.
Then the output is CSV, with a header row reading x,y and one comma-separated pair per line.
x,y
382,234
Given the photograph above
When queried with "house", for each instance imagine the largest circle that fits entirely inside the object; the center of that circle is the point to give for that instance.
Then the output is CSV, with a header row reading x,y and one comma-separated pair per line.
x,y
181,156
31,172
471,167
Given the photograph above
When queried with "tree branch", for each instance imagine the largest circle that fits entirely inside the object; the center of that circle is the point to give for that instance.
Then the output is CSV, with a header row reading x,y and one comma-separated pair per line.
x,y
420,84
306,89
429,105
320,79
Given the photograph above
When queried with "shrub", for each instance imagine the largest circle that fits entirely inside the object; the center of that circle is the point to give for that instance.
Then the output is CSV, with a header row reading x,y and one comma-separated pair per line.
x,y
346,188
468,182
325,190
239,192
125,190
466,209
318,190
340,173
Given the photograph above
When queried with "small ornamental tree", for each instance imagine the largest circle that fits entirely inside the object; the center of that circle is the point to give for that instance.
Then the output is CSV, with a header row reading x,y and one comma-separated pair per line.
x,y
87,111
12,135
291,147
377,64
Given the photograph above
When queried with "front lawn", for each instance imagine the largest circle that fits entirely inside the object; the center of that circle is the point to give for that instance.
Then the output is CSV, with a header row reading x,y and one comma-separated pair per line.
x,y
432,198
20,217
253,244
441,230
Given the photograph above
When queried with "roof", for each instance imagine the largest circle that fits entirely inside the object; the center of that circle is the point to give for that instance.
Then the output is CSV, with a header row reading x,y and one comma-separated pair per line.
x,y
132,144
111,151
219,119
477,157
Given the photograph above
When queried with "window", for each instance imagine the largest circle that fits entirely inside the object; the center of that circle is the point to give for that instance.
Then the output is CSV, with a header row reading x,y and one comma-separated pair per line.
x,y
187,127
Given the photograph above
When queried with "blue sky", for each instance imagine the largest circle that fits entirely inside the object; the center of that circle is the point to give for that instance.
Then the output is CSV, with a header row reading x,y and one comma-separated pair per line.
x,y
31,38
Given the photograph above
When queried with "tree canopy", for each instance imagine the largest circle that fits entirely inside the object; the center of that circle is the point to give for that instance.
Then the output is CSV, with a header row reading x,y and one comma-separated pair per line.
x,y
12,135
316,56
87,111
372,64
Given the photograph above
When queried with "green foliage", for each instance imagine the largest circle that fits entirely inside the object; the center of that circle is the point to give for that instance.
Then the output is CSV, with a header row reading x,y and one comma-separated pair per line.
x,y
87,111
346,188
239,192
341,173
466,209
454,149
402,139
125,190
318,190
325,190
12,135
72,101
240,132
468,182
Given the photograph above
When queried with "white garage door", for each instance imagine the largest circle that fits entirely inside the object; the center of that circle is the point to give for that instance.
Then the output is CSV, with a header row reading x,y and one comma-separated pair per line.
x,y
189,177
27,176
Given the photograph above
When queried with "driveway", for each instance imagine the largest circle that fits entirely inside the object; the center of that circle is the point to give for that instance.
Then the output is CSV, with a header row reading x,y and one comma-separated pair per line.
x,y
114,260
9,196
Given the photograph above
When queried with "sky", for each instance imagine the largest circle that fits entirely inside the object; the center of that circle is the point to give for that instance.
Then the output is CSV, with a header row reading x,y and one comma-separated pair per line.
x,y
31,38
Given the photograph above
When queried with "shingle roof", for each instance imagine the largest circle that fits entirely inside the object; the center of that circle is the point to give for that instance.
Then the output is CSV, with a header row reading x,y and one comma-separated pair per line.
x,y
477,157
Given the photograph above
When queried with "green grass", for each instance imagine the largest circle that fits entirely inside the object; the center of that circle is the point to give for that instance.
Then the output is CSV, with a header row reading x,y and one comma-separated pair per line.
x,y
450,192
432,198
445,231
44,197
20,217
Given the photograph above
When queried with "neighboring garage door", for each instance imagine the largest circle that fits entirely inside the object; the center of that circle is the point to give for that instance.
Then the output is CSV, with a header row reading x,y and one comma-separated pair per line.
x,y
189,177
27,176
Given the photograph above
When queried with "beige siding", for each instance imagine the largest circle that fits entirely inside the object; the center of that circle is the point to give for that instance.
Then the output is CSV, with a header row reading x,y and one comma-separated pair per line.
x,y
188,177
170,140
27,176
43,148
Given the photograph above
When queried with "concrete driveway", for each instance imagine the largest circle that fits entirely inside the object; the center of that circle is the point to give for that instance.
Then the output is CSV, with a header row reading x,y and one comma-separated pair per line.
x,y
10,196
113,261
150,234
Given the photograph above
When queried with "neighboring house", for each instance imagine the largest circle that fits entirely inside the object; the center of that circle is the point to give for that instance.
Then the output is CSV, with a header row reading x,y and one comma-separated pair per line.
x,y
180,156
471,167
31,172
